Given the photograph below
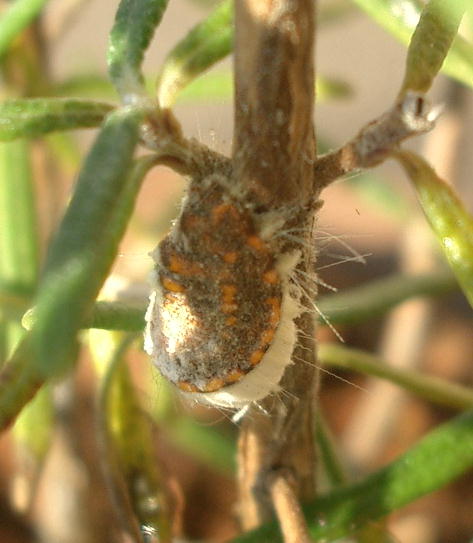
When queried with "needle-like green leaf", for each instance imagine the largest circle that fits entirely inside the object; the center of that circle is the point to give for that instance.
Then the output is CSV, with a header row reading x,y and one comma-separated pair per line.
x,y
450,221
127,440
430,43
19,272
429,387
86,243
376,298
207,43
29,118
400,17
19,382
18,236
135,23
15,18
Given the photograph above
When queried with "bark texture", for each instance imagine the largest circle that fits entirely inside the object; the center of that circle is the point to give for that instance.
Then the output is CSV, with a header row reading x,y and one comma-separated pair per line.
x,y
274,155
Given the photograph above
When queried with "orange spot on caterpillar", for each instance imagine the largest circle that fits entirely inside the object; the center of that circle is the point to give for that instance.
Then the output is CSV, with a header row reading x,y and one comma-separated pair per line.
x,y
275,310
214,384
271,277
267,336
180,265
185,386
218,212
255,242
229,308
256,357
229,292
234,376
231,257
171,285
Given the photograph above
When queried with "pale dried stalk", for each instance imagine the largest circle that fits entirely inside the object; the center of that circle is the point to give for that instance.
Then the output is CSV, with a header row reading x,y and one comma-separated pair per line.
x,y
274,153
288,509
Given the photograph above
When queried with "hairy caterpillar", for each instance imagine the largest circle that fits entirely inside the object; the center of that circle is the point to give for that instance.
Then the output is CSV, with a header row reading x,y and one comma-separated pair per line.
x,y
220,325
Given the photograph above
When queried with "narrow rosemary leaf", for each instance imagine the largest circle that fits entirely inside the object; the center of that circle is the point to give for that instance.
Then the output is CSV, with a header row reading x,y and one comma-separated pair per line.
x,y
29,118
430,43
15,18
376,298
34,428
135,23
429,387
86,243
400,20
118,316
450,221
207,43
128,441
438,459
18,383
18,236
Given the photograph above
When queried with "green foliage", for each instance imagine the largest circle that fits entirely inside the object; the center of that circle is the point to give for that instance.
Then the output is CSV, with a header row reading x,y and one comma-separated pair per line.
x,y
430,388
206,44
19,382
17,17
441,456
401,18
431,41
83,250
135,23
85,245
450,221
30,118
18,239
127,440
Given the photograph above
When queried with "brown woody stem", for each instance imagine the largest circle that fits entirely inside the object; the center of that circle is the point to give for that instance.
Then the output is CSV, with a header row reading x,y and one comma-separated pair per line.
x,y
274,154
274,144
288,509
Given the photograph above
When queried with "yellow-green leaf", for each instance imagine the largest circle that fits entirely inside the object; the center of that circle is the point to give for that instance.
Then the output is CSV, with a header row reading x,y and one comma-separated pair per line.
x,y
450,221
430,43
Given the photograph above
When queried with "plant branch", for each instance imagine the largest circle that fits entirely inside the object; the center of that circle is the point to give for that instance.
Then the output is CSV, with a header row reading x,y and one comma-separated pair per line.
x,y
440,457
377,140
274,82
287,507
162,134
274,151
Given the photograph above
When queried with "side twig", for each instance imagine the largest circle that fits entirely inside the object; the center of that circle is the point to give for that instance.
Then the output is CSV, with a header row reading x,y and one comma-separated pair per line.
x,y
288,509
376,141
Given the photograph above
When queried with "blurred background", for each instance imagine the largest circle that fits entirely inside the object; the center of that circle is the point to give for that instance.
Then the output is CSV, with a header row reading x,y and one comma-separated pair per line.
x,y
370,226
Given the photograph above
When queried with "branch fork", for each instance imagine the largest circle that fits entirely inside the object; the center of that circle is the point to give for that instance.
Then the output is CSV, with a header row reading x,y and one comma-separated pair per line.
x,y
378,140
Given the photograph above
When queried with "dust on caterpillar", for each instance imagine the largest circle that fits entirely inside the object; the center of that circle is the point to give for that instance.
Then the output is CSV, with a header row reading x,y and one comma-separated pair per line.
x,y
221,324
